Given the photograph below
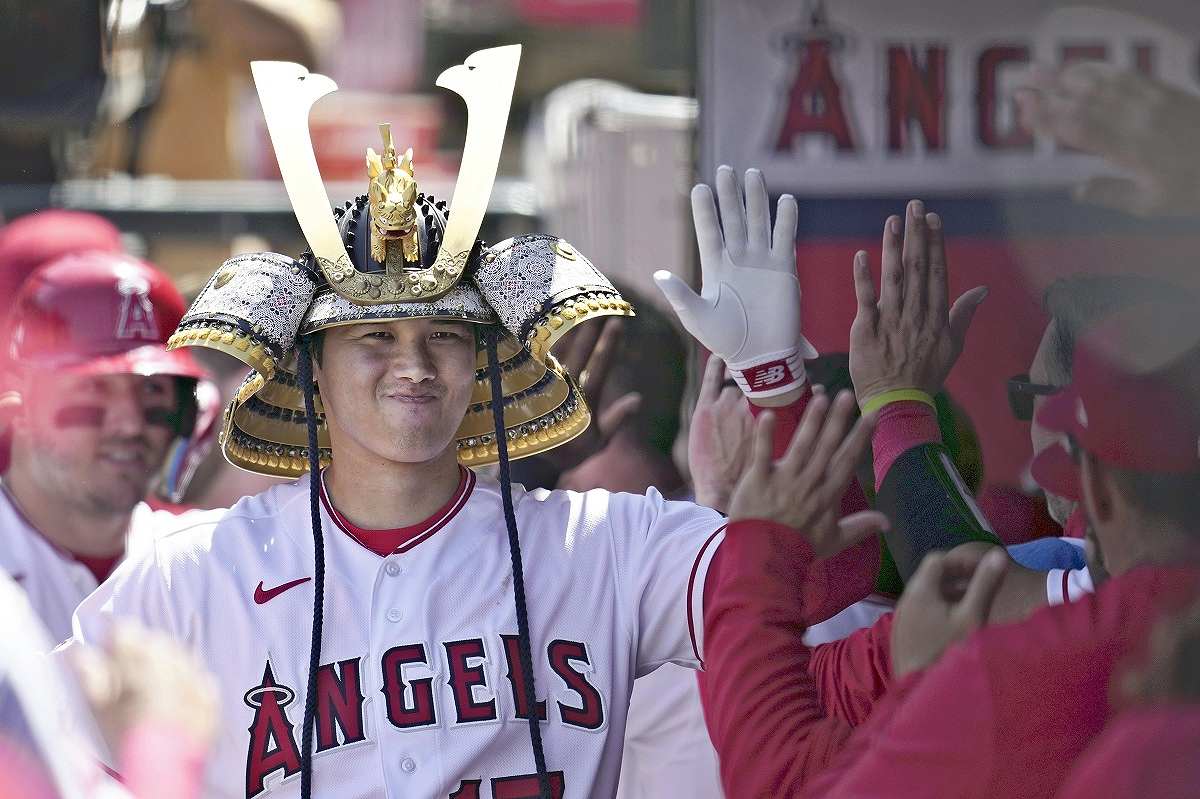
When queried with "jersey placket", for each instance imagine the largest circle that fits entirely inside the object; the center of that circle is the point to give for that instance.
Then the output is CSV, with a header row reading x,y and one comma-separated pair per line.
x,y
403,663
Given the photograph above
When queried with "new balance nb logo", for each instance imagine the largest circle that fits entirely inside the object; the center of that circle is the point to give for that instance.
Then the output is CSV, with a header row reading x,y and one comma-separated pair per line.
x,y
769,377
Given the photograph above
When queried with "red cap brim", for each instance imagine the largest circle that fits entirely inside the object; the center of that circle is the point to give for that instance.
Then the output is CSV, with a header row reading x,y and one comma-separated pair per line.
x,y
146,361
1056,472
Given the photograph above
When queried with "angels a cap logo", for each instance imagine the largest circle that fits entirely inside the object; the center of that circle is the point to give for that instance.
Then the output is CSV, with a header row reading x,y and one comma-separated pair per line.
x,y
136,318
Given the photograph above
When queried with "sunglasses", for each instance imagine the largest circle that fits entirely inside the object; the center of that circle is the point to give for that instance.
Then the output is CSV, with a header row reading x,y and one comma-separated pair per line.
x,y
1021,392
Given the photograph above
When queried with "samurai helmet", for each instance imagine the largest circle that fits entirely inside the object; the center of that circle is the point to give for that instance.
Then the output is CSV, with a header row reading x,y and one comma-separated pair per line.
x,y
398,253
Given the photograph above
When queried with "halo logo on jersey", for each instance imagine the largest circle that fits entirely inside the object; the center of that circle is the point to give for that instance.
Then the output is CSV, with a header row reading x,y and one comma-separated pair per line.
x,y
272,743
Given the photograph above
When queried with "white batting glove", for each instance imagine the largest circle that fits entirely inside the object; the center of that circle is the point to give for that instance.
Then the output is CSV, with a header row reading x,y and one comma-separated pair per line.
x,y
748,310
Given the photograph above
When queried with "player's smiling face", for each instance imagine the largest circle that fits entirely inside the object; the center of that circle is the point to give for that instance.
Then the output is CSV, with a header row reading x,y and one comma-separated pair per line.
x,y
398,390
96,439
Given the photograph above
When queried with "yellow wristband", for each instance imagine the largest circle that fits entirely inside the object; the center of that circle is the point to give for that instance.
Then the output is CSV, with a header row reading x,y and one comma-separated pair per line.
x,y
897,395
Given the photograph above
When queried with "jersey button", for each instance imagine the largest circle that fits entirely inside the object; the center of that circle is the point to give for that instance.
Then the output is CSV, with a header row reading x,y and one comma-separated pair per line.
x,y
395,614
392,568
408,764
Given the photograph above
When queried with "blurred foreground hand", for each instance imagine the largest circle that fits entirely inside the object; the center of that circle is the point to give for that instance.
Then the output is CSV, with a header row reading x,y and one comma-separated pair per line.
x,y
145,677
1140,125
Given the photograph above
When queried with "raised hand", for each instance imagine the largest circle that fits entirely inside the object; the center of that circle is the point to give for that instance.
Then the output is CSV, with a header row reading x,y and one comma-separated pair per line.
x,y
803,489
1141,126
949,597
719,438
748,309
128,681
589,355
907,339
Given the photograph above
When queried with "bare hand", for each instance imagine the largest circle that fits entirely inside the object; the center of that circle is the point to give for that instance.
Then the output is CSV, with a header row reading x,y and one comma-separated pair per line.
x,y
1138,124
719,438
908,339
589,357
804,488
948,598
146,676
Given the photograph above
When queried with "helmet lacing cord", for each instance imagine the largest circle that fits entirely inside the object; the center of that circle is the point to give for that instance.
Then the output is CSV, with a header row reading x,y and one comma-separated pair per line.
x,y
524,648
304,374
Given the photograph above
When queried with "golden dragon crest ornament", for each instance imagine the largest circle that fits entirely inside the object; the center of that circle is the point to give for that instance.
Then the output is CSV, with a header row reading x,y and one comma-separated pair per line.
x,y
393,197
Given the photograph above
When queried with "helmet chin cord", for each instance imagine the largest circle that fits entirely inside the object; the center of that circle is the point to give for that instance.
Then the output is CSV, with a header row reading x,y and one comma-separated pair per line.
x,y
524,647
304,375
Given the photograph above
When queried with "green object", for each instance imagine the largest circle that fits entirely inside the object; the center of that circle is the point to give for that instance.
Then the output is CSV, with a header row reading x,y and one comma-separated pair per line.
x,y
930,508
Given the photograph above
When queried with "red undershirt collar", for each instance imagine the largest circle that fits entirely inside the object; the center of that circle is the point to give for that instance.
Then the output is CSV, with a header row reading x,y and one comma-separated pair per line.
x,y
402,539
100,567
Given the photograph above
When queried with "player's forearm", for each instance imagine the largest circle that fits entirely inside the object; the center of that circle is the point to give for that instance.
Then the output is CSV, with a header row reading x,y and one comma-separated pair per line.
x,y
853,673
899,427
761,702
919,488
835,583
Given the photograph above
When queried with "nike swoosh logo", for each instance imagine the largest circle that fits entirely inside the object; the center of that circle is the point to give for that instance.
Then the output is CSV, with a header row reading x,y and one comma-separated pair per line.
x,y
263,596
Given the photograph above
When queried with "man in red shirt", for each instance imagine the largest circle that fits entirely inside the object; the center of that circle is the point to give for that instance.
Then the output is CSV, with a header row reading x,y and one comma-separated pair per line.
x,y
1005,711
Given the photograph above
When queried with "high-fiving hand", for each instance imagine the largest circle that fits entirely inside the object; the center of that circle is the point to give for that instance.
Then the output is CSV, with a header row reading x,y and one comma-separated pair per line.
x,y
718,438
1141,126
748,309
908,339
948,598
804,488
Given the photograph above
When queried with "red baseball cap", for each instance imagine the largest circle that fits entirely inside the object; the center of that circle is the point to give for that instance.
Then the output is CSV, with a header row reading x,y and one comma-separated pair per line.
x,y
1138,421
38,238
98,313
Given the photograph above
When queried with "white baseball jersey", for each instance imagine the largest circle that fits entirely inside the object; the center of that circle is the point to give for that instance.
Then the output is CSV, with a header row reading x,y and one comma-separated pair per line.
x,y
420,686
1068,585
53,580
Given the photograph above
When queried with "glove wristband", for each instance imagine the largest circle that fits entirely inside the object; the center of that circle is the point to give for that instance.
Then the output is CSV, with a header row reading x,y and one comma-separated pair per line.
x,y
770,375
897,395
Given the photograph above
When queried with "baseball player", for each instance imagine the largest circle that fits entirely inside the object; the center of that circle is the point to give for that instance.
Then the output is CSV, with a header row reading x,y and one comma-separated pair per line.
x,y
393,623
103,410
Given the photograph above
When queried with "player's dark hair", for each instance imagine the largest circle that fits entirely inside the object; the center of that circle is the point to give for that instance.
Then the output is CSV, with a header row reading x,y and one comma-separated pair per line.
x,y
524,647
316,342
304,374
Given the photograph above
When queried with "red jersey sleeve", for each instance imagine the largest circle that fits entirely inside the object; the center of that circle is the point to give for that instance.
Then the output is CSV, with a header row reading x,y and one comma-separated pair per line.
x,y
761,704
832,584
899,427
924,737
777,711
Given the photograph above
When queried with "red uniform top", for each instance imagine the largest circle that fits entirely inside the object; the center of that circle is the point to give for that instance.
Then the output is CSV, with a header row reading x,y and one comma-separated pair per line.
x,y
835,583
1003,714
1150,753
